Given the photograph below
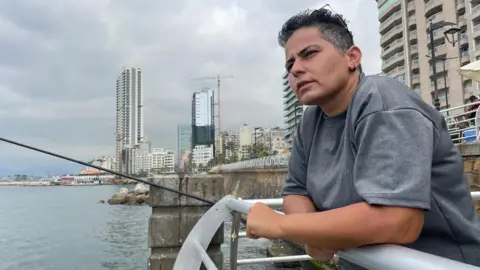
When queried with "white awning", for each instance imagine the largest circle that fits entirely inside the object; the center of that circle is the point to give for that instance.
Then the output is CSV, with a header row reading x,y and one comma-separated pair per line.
x,y
471,71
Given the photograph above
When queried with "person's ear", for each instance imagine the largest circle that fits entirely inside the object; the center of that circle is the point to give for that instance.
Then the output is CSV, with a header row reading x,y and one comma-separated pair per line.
x,y
354,57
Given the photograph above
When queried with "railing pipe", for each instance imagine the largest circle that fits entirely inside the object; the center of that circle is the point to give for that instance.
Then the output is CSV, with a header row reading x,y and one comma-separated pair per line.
x,y
294,258
386,256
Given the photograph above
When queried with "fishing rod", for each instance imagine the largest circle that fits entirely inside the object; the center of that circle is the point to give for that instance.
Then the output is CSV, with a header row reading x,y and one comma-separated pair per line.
x,y
107,170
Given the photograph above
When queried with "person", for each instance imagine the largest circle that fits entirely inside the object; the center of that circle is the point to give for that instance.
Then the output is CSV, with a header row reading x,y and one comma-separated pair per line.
x,y
472,109
371,163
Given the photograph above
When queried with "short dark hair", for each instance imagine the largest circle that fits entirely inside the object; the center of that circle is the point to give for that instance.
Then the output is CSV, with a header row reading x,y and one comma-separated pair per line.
x,y
332,26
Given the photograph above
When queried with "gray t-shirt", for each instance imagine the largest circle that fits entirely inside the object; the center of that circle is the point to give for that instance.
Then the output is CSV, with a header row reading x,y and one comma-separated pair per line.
x,y
388,148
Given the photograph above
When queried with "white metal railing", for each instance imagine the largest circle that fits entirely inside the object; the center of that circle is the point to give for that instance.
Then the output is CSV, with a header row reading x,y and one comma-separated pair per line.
x,y
463,122
387,256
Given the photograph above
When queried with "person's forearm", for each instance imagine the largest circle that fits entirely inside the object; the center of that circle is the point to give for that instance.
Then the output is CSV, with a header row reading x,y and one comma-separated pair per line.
x,y
351,226
296,204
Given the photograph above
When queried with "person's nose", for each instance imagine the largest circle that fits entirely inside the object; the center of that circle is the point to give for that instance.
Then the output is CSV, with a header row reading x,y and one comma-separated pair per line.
x,y
297,69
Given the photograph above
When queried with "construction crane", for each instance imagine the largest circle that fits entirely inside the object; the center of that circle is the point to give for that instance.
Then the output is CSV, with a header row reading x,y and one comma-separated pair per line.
x,y
218,78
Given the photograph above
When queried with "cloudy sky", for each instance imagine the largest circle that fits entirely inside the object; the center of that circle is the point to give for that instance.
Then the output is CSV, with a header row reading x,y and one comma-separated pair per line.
x,y
59,60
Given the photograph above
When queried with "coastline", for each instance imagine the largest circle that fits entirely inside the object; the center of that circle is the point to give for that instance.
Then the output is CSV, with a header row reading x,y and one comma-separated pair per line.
x,y
57,184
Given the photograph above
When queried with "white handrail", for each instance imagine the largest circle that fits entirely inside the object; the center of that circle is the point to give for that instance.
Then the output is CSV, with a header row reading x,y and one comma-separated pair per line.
x,y
391,257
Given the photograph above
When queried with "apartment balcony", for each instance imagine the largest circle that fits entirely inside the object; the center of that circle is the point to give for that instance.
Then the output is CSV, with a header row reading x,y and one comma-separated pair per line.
x,y
392,62
415,79
465,58
460,5
414,49
463,39
287,91
412,36
396,71
393,20
392,48
387,8
440,84
438,37
476,31
462,21
436,18
288,101
395,33
294,110
432,7
411,7
412,21
438,68
440,50
415,64
475,12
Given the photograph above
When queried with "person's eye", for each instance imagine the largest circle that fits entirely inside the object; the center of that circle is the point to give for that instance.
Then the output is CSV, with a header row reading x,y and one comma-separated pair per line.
x,y
310,53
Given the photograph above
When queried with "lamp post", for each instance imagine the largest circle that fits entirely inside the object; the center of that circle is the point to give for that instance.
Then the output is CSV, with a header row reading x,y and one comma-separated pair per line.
x,y
452,31
436,101
431,28
444,59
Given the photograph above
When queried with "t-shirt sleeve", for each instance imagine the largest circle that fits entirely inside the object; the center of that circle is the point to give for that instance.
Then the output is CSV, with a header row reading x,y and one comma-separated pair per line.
x,y
394,158
295,182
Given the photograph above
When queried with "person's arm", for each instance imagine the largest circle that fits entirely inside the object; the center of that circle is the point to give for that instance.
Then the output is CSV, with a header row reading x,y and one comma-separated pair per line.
x,y
392,174
295,195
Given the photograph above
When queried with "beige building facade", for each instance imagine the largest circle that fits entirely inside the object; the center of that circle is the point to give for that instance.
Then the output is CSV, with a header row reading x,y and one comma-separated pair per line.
x,y
405,43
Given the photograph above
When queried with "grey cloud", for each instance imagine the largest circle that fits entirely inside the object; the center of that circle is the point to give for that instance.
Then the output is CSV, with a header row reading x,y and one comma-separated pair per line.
x,y
59,61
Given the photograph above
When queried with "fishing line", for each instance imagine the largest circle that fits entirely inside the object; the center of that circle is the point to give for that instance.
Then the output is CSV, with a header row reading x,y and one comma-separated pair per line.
x,y
107,170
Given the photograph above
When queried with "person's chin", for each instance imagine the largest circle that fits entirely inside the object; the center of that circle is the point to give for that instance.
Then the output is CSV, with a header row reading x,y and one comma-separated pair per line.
x,y
308,100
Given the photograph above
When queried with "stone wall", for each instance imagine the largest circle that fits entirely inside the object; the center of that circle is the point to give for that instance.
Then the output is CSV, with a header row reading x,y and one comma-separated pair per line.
x,y
173,217
471,165
254,183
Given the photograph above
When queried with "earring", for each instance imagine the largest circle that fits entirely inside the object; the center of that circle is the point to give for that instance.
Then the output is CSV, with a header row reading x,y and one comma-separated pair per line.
x,y
352,69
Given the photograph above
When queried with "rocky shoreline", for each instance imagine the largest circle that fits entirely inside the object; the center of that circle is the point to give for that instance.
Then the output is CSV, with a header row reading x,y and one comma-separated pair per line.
x,y
137,196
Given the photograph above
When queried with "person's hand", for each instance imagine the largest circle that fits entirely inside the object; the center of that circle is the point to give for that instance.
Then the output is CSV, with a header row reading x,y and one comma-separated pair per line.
x,y
321,254
263,222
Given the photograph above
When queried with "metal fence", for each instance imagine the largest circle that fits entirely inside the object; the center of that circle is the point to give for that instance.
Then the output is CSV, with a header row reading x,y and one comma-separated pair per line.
x,y
463,122
193,252
270,162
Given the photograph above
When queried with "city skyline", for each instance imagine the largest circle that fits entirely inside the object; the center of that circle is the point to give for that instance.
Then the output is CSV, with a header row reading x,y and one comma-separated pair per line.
x,y
57,83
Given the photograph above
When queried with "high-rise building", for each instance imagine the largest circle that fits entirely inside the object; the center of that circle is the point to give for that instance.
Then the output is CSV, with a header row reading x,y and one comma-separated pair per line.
x,y
292,110
406,53
184,140
245,141
203,127
129,114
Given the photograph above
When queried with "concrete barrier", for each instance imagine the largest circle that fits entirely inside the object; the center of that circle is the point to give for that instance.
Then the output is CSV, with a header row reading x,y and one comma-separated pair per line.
x,y
173,217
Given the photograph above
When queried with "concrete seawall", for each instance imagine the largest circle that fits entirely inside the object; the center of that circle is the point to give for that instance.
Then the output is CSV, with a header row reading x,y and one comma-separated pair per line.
x,y
254,183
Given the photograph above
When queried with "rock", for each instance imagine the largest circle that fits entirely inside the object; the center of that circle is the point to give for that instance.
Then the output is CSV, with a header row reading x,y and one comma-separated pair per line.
x,y
140,189
101,201
143,198
118,198
138,195
131,199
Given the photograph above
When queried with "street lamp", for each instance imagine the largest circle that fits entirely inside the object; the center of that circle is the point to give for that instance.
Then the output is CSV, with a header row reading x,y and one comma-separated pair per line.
x,y
431,28
443,59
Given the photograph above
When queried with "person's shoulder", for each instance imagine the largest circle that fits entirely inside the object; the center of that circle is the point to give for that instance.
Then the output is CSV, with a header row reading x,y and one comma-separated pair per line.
x,y
377,93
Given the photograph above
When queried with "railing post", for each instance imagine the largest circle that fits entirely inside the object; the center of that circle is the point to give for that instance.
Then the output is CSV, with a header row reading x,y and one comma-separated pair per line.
x,y
173,217
234,240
